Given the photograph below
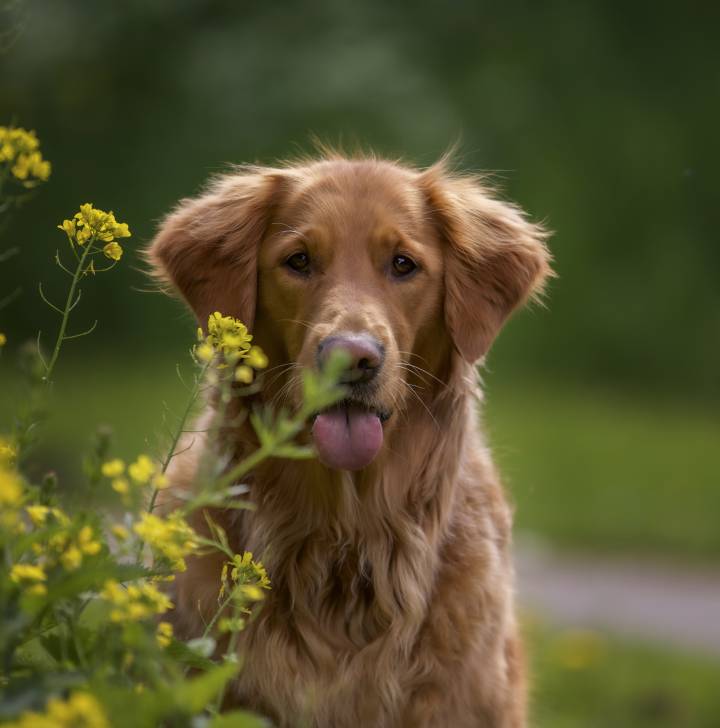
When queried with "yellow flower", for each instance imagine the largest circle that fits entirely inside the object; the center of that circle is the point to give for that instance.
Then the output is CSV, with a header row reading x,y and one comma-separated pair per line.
x,y
87,543
120,532
11,490
204,352
164,633
71,558
160,481
113,468
226,336
172,538
38,514
90,224
244,374
113,251
3,339
27,572
136,601
248,576
19,150
256,358
142,469
81,710
120,485
8,452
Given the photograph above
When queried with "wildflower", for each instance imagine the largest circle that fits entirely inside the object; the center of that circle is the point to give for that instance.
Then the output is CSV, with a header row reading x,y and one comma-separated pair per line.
x,y
11,490
113,468
27,572
204,352
160,481
142,469
249,575
19,151
71,558
257,358
135,602
173,538
120,532
228,337
38,514
87,543
244,374
90,224
3,339
81,710
8,452
120,485
164,633
113,251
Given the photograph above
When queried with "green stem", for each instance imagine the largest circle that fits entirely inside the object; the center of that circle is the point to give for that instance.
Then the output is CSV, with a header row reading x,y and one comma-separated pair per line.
x,y
66,311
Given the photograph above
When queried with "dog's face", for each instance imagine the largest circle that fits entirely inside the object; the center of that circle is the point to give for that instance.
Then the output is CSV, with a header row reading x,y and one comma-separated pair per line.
x,y
400,269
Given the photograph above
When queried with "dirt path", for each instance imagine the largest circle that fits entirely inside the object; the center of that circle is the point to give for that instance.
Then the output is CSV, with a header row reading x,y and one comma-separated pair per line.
x,y
647,600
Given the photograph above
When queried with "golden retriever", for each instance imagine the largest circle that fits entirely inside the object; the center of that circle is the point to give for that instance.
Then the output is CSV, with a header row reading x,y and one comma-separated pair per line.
x,y
392,581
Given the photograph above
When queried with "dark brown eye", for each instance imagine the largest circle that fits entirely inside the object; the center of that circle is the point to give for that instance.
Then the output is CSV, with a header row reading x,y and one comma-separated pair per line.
x,y
403,266
298,262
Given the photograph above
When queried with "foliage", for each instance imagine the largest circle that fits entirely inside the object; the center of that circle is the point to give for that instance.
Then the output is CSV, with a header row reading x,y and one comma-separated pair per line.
x,y
83,597
586,679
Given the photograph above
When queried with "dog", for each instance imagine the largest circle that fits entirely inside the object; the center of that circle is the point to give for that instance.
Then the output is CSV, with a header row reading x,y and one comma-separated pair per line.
x,y
389,556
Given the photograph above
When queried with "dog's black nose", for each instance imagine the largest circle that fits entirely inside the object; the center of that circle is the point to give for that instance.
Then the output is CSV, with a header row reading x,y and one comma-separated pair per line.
x,y
366,355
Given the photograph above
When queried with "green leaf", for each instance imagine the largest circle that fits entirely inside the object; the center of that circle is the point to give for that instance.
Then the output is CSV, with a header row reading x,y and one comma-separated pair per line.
x,y
195,695
239,719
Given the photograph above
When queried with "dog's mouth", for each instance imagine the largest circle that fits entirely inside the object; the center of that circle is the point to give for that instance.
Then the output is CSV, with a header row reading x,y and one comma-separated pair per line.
x,y
349,435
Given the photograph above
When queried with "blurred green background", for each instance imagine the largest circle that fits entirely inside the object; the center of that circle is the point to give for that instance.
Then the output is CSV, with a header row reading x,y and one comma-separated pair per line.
x,y
599,118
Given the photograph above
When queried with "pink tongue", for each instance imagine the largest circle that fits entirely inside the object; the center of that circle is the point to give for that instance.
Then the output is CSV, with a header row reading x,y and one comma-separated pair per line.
x,y
347,438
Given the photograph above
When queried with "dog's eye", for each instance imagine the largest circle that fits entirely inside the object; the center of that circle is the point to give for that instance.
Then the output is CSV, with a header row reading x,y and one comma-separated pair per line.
x,y
403,266
299,262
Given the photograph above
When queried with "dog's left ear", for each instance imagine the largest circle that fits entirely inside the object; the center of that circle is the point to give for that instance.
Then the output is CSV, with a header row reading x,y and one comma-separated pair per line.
x,y
495,258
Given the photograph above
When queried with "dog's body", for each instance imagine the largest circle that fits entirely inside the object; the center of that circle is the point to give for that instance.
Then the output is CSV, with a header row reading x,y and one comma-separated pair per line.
x,y
392,584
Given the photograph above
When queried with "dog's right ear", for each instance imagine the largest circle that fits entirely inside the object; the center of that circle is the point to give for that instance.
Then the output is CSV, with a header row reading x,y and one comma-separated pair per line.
x,y
207,247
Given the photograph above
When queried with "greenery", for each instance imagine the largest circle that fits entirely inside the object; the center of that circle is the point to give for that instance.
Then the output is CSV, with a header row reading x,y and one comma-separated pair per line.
x,y
593,470
585,679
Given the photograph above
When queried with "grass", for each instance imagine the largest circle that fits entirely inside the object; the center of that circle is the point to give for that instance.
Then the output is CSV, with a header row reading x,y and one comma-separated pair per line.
x,y
594,471
583,679
586,470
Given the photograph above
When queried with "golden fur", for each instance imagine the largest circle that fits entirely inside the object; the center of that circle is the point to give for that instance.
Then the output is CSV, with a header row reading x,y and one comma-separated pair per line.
x,y
392,596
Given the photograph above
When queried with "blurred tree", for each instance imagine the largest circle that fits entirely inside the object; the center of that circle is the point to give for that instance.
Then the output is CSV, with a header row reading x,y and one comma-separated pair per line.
x,y
599,118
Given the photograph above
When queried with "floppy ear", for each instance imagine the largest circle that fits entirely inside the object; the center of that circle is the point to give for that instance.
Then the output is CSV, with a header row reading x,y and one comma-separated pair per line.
x,y
495,258
207,247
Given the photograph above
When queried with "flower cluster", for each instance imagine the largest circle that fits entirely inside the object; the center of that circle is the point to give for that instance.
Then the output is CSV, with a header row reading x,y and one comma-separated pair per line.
x,y
136,601
141,472
245,574
57,542
11,495
229,343
80,710
172,539
20,153
92,225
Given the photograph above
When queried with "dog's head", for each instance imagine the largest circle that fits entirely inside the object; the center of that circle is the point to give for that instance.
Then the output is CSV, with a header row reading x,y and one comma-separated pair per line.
x,y
400,268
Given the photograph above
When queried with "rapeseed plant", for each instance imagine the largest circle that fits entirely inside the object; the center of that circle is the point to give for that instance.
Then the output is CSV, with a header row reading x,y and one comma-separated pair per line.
x,y
83,587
